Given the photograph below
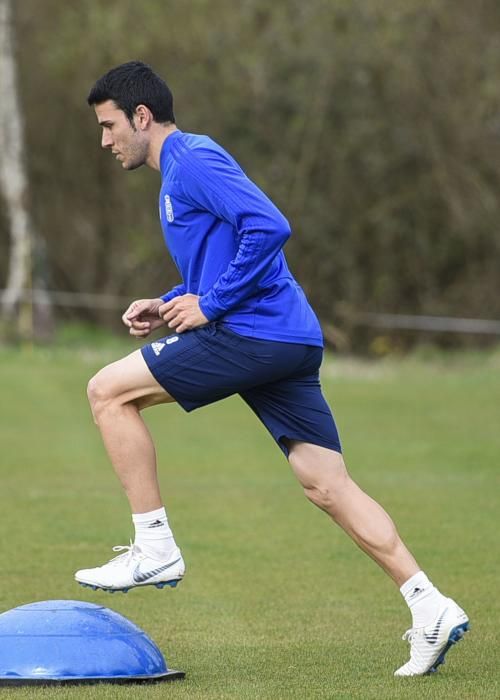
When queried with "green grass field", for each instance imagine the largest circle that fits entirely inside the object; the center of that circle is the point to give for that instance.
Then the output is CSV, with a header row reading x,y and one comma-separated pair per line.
x,y
277,602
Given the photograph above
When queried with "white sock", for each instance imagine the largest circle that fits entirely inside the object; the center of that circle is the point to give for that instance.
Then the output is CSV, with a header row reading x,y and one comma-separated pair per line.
x,y
153,534
423,599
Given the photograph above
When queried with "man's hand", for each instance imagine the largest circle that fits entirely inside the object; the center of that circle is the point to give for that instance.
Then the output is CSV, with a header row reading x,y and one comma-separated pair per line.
x,y
183,313
142,317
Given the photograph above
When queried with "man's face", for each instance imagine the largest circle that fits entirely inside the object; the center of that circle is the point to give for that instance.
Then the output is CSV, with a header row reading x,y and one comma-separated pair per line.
x,y
129,145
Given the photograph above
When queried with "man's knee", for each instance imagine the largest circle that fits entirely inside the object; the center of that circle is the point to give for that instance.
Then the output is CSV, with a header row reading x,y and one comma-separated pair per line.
x,y
321,496
326,494
322,474
124,384
100,394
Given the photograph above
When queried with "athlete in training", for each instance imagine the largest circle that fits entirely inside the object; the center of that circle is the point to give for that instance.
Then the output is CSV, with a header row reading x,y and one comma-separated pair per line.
x,y
237,324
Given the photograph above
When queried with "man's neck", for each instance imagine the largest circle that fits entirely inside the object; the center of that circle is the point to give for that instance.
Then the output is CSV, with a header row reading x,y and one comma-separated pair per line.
x,y
158,135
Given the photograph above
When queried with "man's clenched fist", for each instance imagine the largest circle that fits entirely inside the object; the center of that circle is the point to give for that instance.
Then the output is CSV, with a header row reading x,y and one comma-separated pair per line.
x,y
183,313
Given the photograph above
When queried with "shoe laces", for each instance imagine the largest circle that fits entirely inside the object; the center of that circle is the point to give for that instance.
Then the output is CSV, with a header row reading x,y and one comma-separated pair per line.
x,y
129,553
408,635
411,634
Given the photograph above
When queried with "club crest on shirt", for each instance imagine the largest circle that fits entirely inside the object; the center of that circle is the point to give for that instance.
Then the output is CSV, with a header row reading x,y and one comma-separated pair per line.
x,y
169,209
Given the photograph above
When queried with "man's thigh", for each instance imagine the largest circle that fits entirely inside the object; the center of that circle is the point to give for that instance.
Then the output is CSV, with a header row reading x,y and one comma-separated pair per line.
x,y
129,380
211,363
279,381
198,367
294,410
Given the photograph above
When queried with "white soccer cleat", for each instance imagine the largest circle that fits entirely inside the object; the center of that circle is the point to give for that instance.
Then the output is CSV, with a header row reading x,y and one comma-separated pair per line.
x,y
131,569
429,645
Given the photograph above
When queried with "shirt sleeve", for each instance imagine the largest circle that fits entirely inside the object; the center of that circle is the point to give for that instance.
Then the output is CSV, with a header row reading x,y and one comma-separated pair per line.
x,y
212,181
177,291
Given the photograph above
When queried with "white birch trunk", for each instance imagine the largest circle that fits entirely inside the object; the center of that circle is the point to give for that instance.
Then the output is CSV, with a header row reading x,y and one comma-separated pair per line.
x,y
17,301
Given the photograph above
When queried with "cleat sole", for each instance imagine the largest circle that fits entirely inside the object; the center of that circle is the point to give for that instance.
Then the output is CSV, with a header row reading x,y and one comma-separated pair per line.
x,y
161,584
455,636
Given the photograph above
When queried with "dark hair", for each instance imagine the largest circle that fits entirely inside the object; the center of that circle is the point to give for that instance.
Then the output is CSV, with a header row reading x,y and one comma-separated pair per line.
x,y
132,84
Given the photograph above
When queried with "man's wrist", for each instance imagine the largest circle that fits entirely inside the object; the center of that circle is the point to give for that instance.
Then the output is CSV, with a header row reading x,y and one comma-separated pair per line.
x,y
209,310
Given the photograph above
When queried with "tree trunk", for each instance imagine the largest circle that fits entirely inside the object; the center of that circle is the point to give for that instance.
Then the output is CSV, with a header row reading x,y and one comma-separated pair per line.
x,y
17,302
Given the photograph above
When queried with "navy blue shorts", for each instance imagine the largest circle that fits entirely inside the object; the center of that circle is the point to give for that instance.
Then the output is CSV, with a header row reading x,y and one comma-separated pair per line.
x,y
279,381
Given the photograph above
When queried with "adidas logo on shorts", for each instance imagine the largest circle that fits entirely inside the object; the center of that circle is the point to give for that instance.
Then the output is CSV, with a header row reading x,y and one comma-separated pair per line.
x,y
157,348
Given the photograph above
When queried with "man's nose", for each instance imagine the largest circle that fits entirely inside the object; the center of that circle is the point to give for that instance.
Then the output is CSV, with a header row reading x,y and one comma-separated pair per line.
x,y
106,141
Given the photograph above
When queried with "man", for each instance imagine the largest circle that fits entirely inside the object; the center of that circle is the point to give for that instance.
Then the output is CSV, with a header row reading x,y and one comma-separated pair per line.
x,y
239,324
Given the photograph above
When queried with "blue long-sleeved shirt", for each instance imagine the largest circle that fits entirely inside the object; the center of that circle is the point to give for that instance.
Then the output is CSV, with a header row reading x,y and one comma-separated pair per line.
x,y
226,238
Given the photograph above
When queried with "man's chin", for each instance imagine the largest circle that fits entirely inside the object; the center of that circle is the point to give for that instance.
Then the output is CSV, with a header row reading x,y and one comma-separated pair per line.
x,y
131,166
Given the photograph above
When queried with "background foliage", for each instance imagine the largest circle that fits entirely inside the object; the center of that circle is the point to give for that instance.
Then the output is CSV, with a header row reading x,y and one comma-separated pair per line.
x,y
373,125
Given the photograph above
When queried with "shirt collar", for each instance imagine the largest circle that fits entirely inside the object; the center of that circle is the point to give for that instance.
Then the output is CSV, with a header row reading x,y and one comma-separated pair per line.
x,y
167,147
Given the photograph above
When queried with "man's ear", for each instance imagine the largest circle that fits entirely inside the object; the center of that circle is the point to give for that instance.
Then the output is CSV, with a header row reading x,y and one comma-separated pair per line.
x,y
143,117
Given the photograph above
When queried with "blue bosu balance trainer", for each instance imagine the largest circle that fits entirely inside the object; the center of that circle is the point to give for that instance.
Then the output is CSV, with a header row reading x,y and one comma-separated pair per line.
x,y
68,641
